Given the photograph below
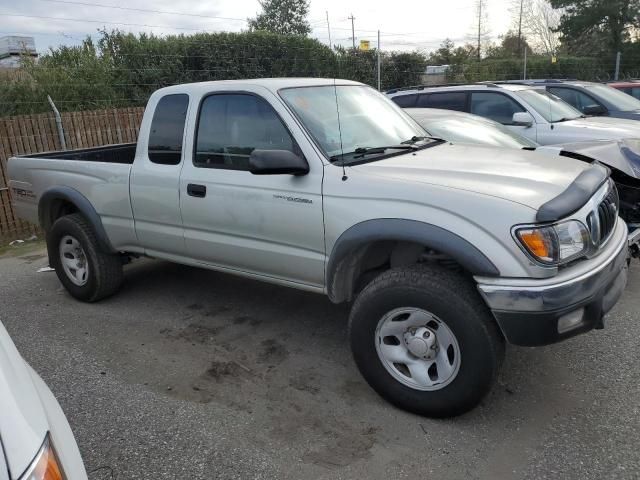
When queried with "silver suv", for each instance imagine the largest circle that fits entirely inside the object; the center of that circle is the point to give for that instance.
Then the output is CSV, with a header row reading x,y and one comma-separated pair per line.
x,y
528,110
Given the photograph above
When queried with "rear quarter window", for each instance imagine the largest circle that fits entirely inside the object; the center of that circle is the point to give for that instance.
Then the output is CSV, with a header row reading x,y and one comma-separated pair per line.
x,y
167,129
405,101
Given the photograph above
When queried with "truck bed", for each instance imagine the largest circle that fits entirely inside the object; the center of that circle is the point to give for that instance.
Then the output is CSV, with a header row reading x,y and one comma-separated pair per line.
x,y
119,153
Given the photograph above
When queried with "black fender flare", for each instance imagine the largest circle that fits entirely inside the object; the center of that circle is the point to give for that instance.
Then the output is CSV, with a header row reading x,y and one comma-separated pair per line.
x,y
343,263
83,205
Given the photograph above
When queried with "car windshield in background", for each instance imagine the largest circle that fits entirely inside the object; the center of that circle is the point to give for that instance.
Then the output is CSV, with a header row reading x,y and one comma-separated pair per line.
x,y
551,108
368,121
474,131
620,100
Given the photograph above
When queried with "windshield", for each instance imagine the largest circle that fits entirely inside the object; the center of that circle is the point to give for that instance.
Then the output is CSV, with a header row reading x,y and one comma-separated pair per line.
x,y
474,131
368,120
550,107
620,100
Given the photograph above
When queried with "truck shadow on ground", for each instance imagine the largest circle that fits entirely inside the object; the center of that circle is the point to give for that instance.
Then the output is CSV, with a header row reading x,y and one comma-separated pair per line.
x,y
280,357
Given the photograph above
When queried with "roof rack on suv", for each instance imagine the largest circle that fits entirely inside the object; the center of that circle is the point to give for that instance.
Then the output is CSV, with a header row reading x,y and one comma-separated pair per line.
x,y
536,81
439,85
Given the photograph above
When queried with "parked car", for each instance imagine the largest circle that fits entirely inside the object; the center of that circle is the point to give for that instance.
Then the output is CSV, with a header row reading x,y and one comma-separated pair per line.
x,y
630,87
34,434
530,111
591,98
446,251
621,156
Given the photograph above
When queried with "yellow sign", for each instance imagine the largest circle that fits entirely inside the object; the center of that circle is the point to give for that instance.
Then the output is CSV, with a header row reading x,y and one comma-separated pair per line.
x,y
364,45
554,59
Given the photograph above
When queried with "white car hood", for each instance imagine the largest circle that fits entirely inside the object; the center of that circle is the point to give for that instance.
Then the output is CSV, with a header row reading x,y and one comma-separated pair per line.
x,y
603,127
623,155
526,177
23,423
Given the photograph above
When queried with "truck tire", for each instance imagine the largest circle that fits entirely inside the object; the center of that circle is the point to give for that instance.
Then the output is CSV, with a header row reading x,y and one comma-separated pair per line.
x,y
425,341
83,268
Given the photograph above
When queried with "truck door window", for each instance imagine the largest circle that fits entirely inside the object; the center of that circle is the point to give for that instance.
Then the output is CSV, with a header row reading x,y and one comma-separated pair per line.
x,y
444,100
231,126
496,106
167,130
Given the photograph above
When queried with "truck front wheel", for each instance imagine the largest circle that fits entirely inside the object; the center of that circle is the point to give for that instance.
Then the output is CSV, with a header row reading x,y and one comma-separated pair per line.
x,y
83,268
425,341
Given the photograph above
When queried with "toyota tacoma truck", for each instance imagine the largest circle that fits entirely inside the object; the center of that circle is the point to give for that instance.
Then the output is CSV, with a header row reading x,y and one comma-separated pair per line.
x,y
446,252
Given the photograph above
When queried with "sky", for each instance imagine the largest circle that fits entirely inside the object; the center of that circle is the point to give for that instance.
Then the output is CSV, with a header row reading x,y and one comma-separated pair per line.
x,y
404,24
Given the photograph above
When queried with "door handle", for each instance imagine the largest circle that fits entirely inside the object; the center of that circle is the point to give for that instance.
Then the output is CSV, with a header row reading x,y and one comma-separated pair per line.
x,y
195,190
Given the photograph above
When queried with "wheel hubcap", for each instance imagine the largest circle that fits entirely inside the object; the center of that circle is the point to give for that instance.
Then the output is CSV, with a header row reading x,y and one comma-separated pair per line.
x,y
74,260
417,348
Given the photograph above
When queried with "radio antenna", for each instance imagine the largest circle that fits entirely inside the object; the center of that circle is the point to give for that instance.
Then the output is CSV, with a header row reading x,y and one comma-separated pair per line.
x,y
335,92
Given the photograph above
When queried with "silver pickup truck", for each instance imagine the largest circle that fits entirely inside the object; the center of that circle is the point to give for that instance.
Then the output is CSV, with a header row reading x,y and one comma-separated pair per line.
x,y
447,252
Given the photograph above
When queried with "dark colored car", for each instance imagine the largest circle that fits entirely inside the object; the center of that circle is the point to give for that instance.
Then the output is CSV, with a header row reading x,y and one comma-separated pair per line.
x,y
631,87
592,98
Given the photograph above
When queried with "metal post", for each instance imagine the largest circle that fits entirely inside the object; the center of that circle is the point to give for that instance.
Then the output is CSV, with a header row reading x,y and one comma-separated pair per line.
x,y
353,31
329,30
524,66
378,60
58,123
617,74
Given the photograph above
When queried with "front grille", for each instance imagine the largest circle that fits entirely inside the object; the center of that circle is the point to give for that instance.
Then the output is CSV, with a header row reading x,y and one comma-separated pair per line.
x,y
603,219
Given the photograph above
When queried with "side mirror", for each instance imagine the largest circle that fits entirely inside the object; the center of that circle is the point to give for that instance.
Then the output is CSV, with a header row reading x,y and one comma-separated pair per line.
x,y
594,110
277,162
522,119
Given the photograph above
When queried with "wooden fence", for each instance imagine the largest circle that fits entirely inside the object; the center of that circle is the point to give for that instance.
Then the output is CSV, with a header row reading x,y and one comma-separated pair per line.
x,y
26,134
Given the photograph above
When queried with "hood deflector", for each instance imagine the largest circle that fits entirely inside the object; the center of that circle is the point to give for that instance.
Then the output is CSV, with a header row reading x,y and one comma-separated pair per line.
x,y
575,195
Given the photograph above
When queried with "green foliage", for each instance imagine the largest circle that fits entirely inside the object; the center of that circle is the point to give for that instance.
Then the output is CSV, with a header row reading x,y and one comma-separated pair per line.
x,y
583,23
509,46
449,54
538,66
286,17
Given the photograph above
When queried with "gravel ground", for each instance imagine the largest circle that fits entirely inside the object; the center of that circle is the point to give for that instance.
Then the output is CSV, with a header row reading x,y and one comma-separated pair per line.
x,y
188,373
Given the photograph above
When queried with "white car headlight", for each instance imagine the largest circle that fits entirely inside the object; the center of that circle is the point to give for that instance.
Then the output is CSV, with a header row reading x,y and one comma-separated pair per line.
x,y
555,244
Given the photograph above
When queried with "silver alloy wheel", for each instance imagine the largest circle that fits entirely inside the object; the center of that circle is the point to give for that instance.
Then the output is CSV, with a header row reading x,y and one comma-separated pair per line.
x,y
74,260
417,348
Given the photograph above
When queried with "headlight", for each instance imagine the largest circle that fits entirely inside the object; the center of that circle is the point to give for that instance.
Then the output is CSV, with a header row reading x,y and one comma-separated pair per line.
x,y
555,244
46,465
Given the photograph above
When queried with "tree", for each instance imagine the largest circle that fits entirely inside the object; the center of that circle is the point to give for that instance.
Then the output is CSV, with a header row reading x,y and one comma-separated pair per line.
x,y
449,54
286,17
480,27
540,25
611,19
510,46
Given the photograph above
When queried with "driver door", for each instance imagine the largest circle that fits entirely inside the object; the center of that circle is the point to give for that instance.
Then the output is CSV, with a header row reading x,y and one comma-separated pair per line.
x,y
268,225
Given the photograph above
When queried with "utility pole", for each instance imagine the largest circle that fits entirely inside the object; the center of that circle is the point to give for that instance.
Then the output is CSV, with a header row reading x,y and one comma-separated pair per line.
x,y
520,28
378,60
524,66
353,31
329,29
479,25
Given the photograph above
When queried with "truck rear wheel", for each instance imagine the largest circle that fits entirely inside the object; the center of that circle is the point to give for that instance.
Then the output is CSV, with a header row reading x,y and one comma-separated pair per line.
x,y
425,341
83,268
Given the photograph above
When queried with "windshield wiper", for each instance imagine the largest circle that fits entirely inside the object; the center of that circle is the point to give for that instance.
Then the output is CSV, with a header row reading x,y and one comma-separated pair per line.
x,y
415,139
362,151
564,119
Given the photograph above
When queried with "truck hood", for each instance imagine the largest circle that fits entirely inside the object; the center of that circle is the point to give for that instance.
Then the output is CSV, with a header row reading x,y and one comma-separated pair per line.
x,y
603,127
623,155
527,177
23,422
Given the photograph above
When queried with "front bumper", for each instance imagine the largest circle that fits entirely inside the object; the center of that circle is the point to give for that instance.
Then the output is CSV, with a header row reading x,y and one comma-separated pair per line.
x,y
540,312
